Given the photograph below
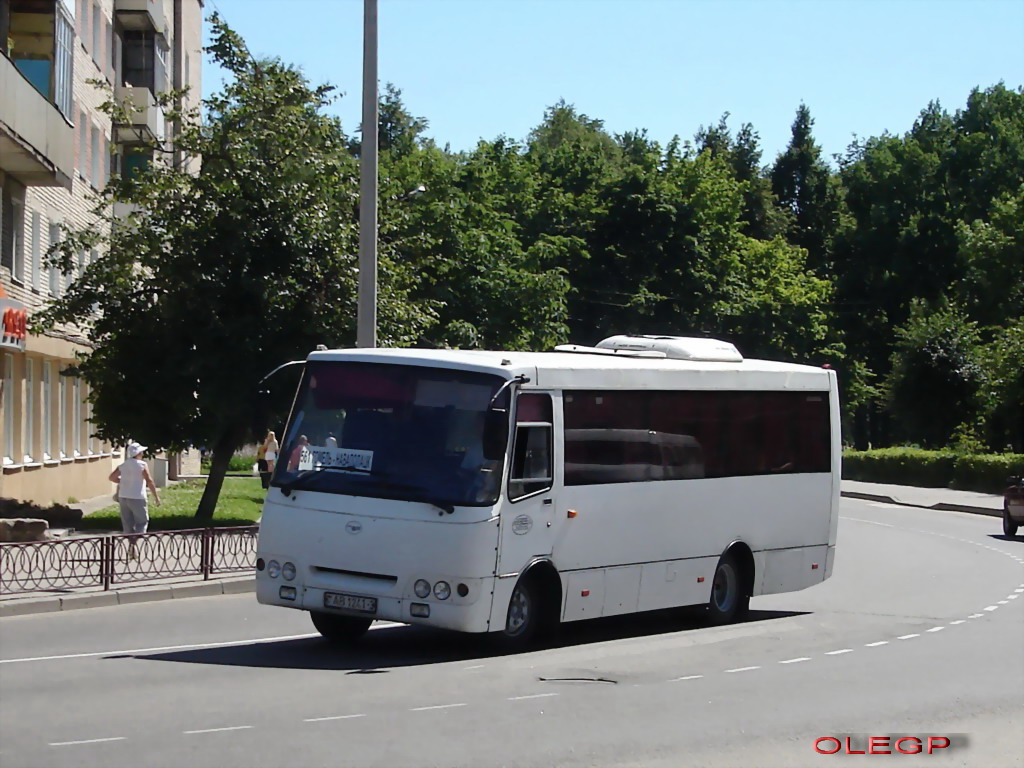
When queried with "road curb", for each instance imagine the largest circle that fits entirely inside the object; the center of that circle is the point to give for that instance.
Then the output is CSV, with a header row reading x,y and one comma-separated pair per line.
x,y
51,604
940,507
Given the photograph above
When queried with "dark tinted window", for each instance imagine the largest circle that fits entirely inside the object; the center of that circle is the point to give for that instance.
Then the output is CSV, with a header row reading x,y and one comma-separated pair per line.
x,y
613,437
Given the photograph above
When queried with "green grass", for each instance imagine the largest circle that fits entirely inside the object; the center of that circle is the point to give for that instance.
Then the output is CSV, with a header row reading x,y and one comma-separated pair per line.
x,y
240,503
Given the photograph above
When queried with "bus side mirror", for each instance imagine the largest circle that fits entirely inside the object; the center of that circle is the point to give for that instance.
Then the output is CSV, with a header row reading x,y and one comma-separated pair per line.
x,y
495,436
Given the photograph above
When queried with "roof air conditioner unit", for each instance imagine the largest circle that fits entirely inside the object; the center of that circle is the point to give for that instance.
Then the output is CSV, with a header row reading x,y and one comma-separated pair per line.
x,y
677,347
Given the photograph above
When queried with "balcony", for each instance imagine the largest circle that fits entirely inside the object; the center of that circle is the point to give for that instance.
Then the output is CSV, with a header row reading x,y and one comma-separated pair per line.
x,y
147,119
142,15
37,145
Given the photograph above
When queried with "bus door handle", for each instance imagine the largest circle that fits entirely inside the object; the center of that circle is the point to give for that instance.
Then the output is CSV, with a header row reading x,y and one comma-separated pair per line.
x,y
547,502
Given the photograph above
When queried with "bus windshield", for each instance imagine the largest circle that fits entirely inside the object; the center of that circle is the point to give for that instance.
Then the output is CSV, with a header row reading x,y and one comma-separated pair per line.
x,y
391,431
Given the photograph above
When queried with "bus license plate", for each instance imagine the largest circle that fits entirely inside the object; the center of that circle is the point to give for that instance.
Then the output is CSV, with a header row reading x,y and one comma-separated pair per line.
x,y
350,602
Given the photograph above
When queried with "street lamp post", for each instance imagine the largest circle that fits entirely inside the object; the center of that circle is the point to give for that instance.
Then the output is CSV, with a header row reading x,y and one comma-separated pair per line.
x,y
366,315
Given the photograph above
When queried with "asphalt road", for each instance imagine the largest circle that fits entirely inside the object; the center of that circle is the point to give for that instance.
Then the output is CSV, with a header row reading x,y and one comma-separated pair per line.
x,y
920,632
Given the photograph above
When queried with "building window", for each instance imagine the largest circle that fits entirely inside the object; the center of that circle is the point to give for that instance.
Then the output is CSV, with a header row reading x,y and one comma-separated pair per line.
x,y
37,38
144,58
63,80
12,224
62,415
89,429
97,180
52,273
135,161
83,146
97,28
30,412
36,252
8,409
47,412
76,417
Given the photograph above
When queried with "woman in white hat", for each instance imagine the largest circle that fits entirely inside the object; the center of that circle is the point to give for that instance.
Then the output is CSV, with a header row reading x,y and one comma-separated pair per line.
x,y
132,478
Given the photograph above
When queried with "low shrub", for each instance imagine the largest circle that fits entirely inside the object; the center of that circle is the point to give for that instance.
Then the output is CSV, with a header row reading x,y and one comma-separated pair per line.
x,y
240,462
985,473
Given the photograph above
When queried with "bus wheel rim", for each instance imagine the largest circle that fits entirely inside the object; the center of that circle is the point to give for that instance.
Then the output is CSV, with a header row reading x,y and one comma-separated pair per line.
x,y
518,612
724,587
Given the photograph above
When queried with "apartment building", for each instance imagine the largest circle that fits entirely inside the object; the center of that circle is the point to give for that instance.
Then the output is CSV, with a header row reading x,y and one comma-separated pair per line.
x,y
56,150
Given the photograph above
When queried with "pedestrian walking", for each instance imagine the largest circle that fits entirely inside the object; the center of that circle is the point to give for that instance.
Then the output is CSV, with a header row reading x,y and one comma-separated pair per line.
x,y
271,446
132,478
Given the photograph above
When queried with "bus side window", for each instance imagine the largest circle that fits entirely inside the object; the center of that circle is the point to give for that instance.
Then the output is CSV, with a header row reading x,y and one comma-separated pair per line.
x,y
531,460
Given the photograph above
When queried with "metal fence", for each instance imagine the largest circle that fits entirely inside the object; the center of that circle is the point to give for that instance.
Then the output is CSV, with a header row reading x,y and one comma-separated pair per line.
x,y
94,561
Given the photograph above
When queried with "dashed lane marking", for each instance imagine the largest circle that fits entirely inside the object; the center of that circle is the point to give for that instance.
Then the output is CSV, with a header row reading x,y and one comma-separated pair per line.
x,y
219,730
875,645
907,637
742,669
796,661
86,741
437,706
332,717
531,696
840,651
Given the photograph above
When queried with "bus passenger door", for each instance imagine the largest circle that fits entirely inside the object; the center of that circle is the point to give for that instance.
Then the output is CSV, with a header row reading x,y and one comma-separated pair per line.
x,y
528,510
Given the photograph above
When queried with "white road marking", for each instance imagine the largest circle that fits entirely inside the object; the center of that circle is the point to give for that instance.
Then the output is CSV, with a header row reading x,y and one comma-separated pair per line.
x,y
532,696
741,669
975,615
836,653
936,629
1003,602
796,661
333,717
437,706
869,522
86,741
907,637
875,645
1012,597
991,607
688,677
475,666
958,621
219,730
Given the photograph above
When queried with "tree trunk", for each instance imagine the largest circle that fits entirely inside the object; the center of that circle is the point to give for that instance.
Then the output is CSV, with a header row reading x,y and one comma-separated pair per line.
x,y
223,449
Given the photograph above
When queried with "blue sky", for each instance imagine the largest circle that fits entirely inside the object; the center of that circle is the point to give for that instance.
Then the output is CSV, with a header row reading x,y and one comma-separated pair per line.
x,y
481,68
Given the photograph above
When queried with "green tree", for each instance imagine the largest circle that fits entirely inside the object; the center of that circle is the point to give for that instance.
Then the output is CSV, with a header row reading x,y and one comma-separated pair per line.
x,y
215,278
804,187
936,375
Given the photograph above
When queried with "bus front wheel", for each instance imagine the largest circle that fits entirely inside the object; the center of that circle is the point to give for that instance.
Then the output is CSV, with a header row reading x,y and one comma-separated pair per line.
x,y
340,629
729,600
524,621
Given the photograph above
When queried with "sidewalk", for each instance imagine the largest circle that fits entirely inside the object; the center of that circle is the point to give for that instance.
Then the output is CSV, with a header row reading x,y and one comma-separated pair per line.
x,y
930,498
944,499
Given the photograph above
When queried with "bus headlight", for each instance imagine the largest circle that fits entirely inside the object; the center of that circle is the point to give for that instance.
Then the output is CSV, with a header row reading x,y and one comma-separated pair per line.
x,y
442,590
273,569
288,571
421,588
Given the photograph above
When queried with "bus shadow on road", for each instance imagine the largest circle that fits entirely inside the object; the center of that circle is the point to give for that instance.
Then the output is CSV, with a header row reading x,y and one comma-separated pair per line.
x,y
389,646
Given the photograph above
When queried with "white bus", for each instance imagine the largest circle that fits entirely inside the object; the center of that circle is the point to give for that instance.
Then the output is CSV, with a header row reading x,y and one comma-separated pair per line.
x,y
507,492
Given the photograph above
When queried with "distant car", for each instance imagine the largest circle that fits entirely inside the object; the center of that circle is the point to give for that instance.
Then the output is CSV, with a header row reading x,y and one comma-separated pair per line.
x,y
1013,505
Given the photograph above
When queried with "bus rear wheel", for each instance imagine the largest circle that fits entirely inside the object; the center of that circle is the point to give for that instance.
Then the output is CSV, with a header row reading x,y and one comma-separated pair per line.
x,y
340,629
729,600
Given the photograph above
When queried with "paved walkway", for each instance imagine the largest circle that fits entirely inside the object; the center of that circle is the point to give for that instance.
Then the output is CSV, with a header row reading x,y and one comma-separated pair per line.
x,y
931,498
191,586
